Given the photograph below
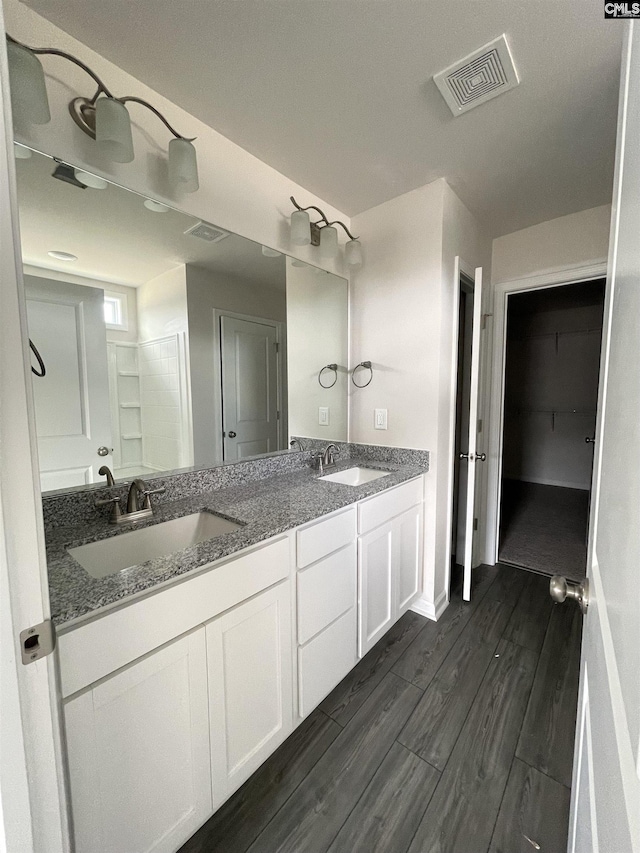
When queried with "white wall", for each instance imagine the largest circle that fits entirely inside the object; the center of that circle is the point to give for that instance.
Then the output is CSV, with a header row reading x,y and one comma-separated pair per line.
x,y
162,305
206,292
402,308
237,191
317,334
573,240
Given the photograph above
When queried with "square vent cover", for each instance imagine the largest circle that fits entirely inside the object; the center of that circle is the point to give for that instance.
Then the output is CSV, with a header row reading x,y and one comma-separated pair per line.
x,y
208,232
484,74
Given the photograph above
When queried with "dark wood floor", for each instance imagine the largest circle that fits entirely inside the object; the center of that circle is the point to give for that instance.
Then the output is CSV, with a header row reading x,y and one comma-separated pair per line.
x,y
447,736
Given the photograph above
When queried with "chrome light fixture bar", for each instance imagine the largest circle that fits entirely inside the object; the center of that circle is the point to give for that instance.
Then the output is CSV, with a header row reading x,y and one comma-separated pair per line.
x,y
323,233
104,117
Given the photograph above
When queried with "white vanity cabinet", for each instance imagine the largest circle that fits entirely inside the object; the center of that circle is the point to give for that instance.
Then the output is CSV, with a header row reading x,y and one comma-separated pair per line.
x,y
249,659
326,583
138,753
389,559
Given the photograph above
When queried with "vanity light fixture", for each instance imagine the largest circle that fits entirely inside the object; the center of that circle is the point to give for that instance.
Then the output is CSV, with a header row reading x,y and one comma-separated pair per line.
x,y
89,180
103,116
323,233
62,256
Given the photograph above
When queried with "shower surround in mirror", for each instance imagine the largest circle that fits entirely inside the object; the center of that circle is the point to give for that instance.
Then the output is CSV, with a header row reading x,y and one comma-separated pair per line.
x,y
169,343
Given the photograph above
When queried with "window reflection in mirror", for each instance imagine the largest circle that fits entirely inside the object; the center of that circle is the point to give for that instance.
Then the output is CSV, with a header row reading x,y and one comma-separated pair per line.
x,y
169,342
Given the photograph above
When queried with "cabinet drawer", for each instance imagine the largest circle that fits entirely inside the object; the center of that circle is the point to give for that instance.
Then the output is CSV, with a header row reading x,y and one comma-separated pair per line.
x,y
325,661
320,538
98,648
325,591
380,508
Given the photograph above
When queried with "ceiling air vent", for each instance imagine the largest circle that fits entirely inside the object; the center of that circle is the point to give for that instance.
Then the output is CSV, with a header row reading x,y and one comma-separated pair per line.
x,y
208,232
484,74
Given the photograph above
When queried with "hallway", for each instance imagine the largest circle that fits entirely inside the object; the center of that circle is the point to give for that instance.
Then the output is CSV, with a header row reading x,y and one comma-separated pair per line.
x,y
448,736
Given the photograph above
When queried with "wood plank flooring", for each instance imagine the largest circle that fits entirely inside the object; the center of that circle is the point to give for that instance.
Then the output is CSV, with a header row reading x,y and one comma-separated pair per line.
x,y
448,737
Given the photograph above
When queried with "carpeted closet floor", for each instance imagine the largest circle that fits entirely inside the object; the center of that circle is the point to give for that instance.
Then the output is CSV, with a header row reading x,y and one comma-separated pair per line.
x,y
544,528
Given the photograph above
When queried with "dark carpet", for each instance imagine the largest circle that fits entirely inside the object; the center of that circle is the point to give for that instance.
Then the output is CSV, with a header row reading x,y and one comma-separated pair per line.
x,y
544,528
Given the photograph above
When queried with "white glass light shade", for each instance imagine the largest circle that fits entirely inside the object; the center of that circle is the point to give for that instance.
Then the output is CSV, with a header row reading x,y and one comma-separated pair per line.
x,y
113,130
300,228
20,152
90,180
28,91
183,165
328,242
296,262
270,253
353,254
155,206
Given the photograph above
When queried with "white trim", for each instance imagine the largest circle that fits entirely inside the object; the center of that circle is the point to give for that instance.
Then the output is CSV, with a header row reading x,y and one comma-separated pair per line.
x,y
31,771
460,267
432,610
573,274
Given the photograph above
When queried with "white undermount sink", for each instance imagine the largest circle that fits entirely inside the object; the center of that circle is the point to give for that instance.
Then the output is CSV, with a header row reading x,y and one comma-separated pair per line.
x,y
116,553
355,476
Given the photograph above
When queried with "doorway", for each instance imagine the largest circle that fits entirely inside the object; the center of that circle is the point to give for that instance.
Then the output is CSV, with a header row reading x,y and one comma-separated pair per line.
x,y
552,360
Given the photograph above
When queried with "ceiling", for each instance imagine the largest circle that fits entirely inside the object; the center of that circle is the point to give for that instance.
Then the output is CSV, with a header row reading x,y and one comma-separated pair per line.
x,y
116,239
338,95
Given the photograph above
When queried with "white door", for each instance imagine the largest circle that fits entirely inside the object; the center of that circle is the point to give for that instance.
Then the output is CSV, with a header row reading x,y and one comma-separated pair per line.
x,y
73,420
473,457
249,387
138,753
605,805
249,658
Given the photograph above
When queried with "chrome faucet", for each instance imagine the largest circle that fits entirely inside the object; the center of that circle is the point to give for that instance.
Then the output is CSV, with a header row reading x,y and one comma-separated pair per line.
x,y
298,442
329,455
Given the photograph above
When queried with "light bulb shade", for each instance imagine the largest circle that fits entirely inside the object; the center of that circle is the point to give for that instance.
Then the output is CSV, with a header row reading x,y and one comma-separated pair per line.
x,y
300,228
89,180
328,242
270,253
113,130
20,152
29,101
183,165
353,254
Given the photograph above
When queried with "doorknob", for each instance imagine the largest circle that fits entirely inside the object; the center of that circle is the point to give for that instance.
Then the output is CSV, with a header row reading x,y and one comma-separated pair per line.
x,y
590,440
104,451
232,434
560,589
464,456
481,457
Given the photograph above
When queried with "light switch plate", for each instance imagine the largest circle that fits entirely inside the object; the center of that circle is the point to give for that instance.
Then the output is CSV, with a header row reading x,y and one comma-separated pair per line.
x,y
323,415
380,419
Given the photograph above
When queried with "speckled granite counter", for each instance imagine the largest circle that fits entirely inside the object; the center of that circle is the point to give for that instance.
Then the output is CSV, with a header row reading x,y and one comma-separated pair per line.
x,y
264,508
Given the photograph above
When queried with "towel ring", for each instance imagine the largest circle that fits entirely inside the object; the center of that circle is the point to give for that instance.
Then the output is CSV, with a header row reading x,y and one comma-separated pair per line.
x,y
43,369
367,366
333,367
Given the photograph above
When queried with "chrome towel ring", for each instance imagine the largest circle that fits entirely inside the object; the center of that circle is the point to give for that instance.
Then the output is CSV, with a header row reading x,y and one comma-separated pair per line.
x,y
333,367
366,365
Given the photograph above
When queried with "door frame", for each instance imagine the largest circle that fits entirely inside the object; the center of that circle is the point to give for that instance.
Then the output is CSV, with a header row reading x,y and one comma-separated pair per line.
x,y
281,360
574,274
460,268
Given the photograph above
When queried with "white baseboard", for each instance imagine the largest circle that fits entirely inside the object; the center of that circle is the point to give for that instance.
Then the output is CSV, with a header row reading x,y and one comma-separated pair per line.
x,y
432,610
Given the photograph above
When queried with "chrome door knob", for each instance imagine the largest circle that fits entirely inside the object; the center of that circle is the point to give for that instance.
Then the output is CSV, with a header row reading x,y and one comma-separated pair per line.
x,y
590,440
104,451
560,589
232,434
464,456
481,457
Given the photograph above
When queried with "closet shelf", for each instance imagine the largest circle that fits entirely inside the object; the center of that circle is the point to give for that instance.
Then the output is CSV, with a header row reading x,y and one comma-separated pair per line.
x,y
551,412
557,334
130,405
130,436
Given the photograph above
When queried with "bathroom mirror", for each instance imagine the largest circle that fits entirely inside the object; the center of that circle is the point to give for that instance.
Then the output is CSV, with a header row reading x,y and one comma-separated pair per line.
x,y
168,342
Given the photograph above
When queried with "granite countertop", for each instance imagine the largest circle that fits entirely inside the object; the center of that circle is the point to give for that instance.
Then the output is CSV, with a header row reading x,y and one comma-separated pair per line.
x,y
264,508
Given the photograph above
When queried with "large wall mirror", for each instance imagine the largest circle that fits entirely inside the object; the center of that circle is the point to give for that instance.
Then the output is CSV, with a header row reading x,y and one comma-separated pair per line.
x,y
168,343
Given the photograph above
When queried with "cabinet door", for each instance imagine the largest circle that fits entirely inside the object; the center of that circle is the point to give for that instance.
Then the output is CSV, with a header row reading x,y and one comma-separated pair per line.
x,y
408,544
138,750
376,585
249,653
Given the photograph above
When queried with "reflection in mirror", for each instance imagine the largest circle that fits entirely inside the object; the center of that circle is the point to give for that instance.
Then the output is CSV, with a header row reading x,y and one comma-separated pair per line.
x,y
168,342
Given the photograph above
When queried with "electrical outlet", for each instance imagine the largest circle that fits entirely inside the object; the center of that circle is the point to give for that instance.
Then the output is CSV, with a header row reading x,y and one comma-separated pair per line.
x,y
323,415
380,419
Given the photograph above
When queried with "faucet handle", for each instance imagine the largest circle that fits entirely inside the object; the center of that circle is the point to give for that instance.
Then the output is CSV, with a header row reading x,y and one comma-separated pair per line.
x,y
116,512
106,501
160,491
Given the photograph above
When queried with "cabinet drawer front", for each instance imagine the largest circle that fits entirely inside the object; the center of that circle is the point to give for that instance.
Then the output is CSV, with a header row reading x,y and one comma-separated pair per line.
x,y
325,591
96,649
316,540
380,508
325,661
